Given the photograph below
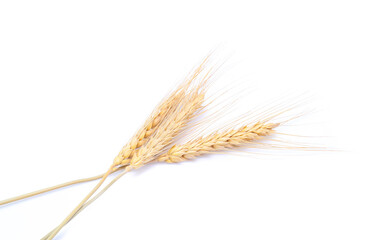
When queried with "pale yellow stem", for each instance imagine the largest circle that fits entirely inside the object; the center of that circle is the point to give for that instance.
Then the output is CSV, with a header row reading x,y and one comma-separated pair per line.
x,y
75,210
66,184
91,200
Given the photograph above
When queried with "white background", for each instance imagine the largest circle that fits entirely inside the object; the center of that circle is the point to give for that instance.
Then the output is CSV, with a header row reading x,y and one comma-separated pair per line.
x,y
77,78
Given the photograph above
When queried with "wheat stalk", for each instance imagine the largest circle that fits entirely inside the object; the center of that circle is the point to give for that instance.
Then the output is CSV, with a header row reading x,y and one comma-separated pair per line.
x,y
163,126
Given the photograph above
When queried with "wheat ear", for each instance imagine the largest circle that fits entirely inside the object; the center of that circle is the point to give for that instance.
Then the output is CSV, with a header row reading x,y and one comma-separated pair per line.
x,y
170,129
166,108
189,105
218,141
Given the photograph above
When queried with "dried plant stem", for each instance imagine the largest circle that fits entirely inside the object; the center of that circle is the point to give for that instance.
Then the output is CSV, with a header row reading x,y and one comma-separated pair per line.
x,y
48,189
31,194
91,200
70,216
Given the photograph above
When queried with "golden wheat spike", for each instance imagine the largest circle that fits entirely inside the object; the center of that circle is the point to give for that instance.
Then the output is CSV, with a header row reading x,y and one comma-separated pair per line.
x,y
164,110
218,141
171,127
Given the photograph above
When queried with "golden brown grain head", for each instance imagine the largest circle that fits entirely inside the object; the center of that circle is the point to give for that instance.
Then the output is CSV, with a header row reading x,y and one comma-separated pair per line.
x,y
170,128
218,141
168,119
